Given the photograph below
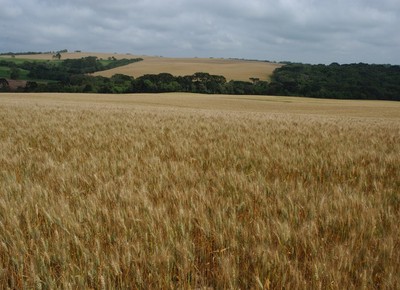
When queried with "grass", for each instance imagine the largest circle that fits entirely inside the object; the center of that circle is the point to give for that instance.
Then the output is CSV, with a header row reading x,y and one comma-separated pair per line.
x,y
18,60
4,72
105,62
23,75
190,191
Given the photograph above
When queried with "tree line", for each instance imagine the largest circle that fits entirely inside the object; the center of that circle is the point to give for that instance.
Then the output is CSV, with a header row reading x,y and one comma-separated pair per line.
x,y
348,81
150,83
70,67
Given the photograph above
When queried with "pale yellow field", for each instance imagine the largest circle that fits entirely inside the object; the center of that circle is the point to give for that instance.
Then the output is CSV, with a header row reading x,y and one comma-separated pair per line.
x,y
231,69
185,191
235,103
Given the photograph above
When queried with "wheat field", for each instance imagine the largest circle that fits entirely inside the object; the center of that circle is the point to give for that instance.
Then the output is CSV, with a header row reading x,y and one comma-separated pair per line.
x,y
184,191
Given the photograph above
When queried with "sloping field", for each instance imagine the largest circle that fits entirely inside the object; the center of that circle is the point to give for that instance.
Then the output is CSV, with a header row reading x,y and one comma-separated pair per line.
x,y
184,191
230,68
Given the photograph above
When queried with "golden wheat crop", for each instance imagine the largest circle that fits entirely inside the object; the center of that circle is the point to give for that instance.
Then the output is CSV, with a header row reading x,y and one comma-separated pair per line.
x,y
119,192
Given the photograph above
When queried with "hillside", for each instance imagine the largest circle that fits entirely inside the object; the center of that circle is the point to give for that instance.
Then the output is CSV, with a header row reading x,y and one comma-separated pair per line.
x,y
231,69
125,73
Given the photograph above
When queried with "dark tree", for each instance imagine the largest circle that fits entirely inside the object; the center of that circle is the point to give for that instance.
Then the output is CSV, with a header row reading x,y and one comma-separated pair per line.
x,y
4,85
57,56
14,73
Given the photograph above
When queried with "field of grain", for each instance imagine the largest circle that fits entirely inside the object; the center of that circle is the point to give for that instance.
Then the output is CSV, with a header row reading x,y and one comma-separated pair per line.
x,y
231,69
195,191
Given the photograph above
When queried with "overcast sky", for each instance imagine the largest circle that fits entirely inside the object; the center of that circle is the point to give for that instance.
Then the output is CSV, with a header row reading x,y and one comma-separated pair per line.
x,y
309,31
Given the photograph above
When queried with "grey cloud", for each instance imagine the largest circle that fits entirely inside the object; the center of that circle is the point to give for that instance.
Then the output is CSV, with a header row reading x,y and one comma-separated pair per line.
x,y
297,30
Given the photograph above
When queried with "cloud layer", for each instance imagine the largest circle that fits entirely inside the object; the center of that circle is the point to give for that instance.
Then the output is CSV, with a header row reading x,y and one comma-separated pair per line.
x,y
314,31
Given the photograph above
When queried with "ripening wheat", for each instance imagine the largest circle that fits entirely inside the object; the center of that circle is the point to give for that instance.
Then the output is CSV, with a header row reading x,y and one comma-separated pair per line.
x,y
106,195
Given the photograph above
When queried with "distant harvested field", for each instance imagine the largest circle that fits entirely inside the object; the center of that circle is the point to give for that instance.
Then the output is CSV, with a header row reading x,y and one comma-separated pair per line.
x,y
231,69
185,191
73,55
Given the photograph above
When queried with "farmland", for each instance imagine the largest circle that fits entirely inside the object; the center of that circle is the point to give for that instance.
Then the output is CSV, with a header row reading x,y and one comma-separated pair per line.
x,y
191,191
231,69
124,74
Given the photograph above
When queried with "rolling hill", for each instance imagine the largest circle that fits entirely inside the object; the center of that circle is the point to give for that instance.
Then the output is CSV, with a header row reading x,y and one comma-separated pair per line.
x,y
231,69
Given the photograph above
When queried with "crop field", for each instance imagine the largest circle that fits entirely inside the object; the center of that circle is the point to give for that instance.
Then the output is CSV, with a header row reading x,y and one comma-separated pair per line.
x,y
231,69
185,191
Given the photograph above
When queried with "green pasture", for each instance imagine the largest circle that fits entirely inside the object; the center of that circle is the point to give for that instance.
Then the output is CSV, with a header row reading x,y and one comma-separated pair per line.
x,y
22,60
4,72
